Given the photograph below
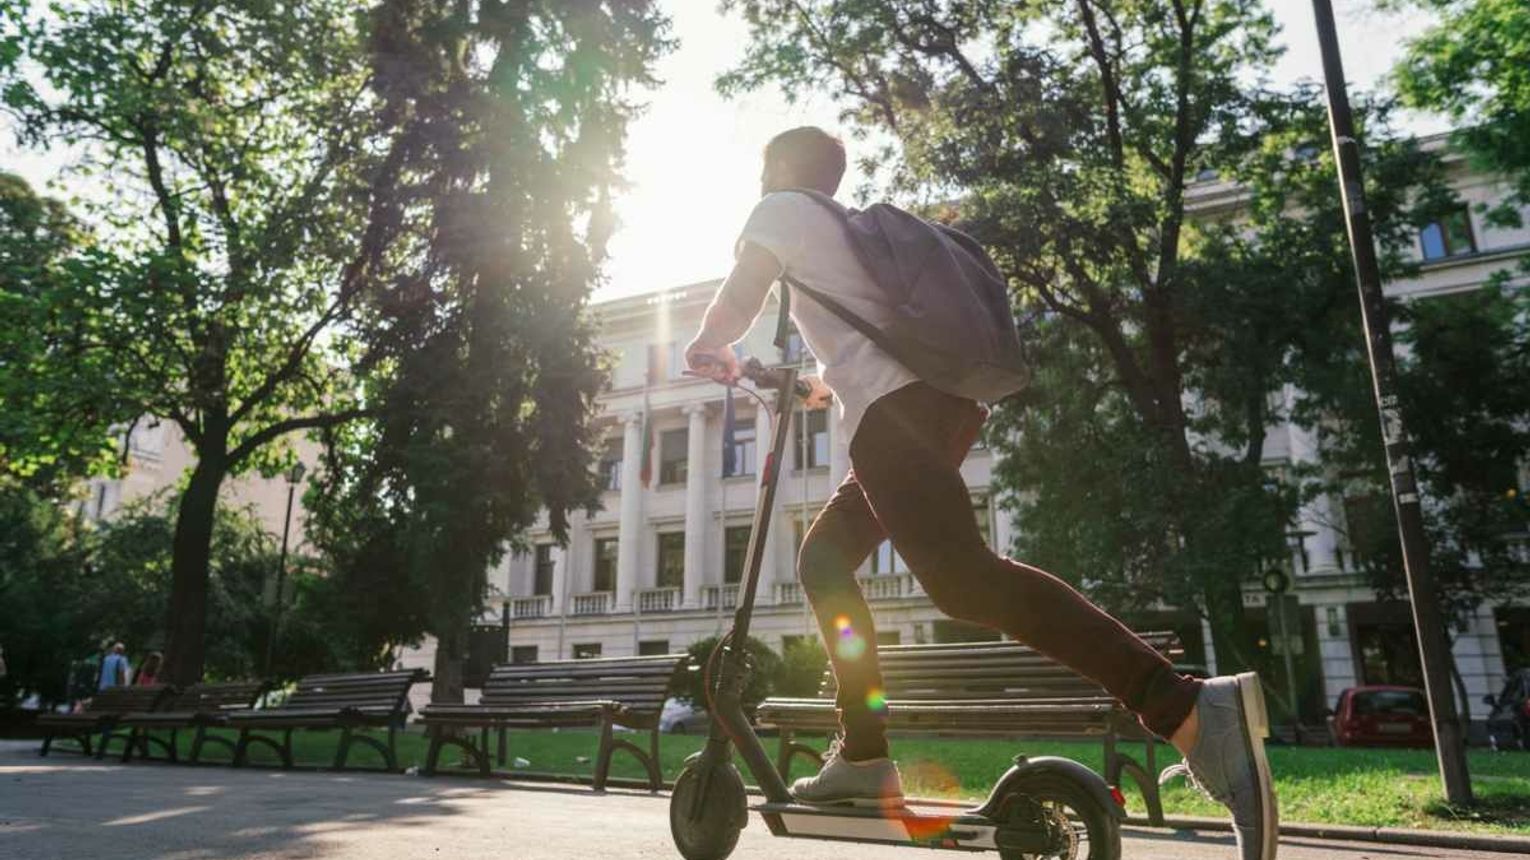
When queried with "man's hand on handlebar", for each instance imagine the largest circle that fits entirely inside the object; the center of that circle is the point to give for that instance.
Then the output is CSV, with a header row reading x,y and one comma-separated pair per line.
x,y
717,363
819,397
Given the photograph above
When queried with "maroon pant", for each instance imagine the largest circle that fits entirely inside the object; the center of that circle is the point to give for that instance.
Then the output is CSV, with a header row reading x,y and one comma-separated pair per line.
x,y
905,483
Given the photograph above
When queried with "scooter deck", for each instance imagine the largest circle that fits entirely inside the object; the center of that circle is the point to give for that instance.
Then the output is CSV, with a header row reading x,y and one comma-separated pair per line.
x,y
928,826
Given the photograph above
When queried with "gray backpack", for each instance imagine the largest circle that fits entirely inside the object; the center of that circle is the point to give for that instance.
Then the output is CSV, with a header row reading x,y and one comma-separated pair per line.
x,y
953,327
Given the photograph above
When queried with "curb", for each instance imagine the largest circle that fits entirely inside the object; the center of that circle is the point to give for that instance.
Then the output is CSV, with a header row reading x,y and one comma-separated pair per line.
x,y
1348,833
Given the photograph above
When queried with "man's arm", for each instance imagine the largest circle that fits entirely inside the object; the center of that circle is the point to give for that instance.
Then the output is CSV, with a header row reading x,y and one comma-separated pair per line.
x,y
738,300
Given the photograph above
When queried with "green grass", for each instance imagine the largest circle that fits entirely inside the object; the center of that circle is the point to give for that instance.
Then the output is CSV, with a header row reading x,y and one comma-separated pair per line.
x,y
1367,787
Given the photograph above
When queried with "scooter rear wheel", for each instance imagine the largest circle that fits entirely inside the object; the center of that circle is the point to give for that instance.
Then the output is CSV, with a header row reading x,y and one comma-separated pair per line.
x,y
707,810
1086,829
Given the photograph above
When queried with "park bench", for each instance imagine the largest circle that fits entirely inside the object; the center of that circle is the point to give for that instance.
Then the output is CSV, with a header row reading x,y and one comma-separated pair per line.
x,y
627,691
100,715
201,706
352,703
995,689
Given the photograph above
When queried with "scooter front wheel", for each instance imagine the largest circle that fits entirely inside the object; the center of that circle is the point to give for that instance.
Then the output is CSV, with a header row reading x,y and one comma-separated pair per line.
x,y
1081,828
707,809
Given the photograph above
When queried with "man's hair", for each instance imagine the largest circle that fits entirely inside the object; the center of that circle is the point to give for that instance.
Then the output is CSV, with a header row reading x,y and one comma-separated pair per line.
x,y
813,157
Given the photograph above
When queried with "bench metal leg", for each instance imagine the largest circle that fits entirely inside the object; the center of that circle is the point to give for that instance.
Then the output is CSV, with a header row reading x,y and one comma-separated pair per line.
x,y
439,739
196,744
47,743
789,748
241,747
603,754
132,741
1118,763
343,749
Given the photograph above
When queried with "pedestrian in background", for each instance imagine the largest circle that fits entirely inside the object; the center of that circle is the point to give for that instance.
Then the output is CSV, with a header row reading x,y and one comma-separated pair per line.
x,y
115,669
148,673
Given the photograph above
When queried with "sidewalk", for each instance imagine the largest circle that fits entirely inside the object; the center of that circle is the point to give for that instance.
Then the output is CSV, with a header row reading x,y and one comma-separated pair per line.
x,y
67,806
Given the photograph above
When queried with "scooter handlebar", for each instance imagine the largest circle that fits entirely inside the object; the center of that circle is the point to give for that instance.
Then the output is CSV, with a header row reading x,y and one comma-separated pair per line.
x,y
772,378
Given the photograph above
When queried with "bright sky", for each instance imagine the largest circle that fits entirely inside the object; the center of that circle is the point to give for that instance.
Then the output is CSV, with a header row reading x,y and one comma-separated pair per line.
x,y
693,159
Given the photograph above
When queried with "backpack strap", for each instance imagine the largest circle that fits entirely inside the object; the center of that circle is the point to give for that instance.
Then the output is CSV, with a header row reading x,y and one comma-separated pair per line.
x,y
870,331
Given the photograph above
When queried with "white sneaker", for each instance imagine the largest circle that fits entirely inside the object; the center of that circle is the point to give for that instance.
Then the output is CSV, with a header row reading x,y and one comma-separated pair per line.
x,y
841,782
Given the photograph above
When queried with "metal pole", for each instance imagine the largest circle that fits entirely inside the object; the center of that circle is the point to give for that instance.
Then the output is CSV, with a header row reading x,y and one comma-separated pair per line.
x,y
281,574
1449,741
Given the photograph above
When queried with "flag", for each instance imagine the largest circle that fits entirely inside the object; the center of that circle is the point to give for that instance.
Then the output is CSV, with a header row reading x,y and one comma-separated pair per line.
x,y
730,450
645,474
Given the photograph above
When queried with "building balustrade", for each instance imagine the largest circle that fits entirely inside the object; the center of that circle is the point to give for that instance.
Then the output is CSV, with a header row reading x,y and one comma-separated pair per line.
x,y
889,586
535,606
591,603
657,600
788,593
720,596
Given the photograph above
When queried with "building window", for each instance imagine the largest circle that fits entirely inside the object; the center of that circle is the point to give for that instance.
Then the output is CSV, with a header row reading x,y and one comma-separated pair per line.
x,y
586,650
1451,236
671,560
611,465
816,447
605,564
889,637
887,560
523,654
735,553
743,452
672,445
542,573
653,647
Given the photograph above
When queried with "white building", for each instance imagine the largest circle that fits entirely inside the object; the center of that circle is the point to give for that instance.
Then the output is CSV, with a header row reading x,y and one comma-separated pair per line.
x,y
654,571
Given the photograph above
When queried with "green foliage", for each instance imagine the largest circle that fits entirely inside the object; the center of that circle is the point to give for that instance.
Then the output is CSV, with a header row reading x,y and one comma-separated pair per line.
x,y
1464,386
41,584
764,669
240,195
67,589
801,671
1471,66
42,248
481,357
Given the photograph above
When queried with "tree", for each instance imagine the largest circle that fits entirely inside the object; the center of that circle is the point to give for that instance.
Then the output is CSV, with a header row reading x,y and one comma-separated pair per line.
x,y
1470,66
1067,135
243,200
40,248
764,669
488,369
41,581
1464,383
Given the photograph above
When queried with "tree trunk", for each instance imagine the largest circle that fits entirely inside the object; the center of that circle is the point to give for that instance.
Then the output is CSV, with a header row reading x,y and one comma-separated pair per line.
x,y
192,548
451,650
1229,635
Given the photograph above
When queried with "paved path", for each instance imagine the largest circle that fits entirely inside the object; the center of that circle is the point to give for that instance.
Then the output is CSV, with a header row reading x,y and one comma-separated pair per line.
x,y
66,806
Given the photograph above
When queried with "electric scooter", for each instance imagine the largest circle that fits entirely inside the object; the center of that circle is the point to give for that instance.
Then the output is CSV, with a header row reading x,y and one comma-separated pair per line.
x,y
1042,807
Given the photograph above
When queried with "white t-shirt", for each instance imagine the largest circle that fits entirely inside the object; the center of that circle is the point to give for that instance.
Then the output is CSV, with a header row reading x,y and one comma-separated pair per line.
x,y
810,243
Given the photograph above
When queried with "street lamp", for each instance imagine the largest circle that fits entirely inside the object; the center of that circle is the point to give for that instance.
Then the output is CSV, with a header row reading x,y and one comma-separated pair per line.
x,y
294,478
1434,650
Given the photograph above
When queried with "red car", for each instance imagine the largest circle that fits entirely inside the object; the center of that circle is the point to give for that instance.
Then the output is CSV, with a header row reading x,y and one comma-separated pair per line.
x,y
1382,717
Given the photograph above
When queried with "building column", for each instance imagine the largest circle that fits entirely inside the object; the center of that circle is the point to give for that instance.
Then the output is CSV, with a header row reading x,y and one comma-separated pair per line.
x,y
563,562
1315,519
696,477
629,539
769,563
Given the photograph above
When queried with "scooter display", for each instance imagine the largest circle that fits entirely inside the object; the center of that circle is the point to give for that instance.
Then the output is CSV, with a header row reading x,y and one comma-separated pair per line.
x,y
1043,807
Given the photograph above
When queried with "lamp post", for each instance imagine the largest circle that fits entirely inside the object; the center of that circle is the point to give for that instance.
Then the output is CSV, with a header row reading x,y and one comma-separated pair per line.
x,y
294,478
1434,651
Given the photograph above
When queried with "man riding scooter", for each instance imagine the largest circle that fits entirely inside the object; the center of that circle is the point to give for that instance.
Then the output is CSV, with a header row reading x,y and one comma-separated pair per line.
x,y
908,436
